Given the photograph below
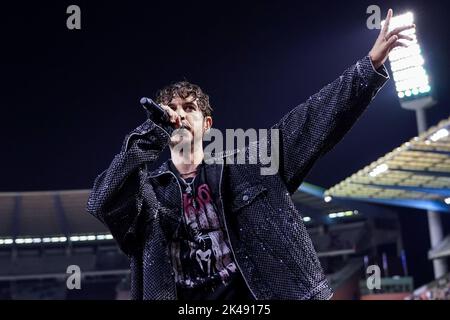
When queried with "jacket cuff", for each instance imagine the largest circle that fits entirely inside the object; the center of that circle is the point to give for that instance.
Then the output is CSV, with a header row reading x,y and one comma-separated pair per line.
x,y
322,292
373,78
159,135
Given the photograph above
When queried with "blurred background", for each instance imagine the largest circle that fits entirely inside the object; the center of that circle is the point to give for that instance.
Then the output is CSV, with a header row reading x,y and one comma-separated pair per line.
x,y
68,98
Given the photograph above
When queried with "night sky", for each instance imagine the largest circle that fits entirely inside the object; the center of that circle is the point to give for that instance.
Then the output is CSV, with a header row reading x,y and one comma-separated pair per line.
x,y
68,98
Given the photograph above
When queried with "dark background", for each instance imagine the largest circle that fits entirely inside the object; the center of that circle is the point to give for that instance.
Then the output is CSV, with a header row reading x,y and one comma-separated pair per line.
x,y
68,97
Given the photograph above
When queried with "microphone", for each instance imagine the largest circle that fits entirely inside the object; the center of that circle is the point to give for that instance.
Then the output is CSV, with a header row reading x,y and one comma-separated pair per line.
x,y
155,110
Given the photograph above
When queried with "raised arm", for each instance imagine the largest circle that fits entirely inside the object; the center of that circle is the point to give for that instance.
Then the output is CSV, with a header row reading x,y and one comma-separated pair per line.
x,y
317,125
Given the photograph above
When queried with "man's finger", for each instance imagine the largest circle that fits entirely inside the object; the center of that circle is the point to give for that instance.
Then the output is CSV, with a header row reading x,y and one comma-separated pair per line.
x,y
405,37
400,29
391,41
399,44
385,28
173,117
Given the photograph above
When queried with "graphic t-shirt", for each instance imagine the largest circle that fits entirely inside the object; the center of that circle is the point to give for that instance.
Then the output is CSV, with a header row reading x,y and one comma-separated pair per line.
x,y
201,256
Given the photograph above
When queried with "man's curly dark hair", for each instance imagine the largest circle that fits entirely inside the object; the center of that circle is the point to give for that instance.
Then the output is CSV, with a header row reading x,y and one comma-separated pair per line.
x,y
184,89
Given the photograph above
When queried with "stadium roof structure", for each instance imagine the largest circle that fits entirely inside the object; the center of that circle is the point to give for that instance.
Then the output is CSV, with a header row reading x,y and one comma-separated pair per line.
x,y
416,174
39,214
313,205
309,201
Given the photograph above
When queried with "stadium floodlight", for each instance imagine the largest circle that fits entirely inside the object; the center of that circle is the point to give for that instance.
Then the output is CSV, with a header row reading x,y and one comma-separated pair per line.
x,y
104,237
306,219
379,170
447,200
342,214
6,241
58,239
407,66
327,199
440,134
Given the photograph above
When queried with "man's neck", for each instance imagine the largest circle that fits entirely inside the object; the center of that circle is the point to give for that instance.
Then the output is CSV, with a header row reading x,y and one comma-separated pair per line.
x,y
187,164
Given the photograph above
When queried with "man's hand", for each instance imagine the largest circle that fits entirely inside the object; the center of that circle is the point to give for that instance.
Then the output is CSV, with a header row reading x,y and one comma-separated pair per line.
x,y
387,41
174,117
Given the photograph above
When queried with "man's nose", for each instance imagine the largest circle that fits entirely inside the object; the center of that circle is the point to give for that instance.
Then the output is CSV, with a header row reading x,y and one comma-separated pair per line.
x,y
181,113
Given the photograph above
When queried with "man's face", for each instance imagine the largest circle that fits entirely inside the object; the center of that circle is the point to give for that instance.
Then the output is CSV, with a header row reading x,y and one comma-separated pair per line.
x,y
194,124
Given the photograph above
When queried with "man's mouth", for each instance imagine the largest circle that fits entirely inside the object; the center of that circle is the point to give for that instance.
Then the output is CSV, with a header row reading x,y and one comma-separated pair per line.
x,y
185,126
183,130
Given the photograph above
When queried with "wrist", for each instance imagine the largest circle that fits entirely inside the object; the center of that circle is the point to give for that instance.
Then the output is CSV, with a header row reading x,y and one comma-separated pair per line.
x,y
376,63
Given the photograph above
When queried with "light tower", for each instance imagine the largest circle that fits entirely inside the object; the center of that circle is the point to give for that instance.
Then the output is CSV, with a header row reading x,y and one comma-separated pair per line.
x,y
414,92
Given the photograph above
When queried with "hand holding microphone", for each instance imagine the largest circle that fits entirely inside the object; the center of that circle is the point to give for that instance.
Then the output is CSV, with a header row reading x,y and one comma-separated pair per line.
x,y
161,114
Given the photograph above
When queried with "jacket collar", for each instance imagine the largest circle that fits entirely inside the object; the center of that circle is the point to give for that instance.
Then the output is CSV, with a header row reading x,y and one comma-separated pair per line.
x,y
163,169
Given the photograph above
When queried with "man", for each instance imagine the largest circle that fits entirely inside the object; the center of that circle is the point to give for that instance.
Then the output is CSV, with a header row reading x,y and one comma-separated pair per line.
x,y
196,230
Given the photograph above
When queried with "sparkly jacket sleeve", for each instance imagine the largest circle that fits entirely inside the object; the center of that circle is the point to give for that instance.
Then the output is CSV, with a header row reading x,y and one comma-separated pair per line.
x,y
118,196
317,125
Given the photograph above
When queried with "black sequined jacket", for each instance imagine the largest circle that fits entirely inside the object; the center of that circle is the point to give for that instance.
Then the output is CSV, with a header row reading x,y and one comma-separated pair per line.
x,y
268,239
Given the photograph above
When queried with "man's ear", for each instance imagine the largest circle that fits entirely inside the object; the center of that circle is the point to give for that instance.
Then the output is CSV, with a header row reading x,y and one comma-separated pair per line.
x,y
207,123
